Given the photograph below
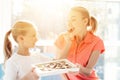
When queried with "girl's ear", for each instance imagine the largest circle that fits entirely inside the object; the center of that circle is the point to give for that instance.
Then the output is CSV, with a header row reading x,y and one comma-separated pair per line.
x,y
20,38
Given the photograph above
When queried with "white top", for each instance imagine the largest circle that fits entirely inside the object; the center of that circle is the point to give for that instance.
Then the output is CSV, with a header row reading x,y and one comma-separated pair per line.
x,y
18,66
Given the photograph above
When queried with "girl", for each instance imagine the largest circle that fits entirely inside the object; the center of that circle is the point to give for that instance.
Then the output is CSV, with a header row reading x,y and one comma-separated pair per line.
x,y
80,45
18,65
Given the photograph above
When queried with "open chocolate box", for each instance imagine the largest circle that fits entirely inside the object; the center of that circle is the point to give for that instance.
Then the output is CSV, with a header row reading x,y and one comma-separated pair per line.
x,y
55,67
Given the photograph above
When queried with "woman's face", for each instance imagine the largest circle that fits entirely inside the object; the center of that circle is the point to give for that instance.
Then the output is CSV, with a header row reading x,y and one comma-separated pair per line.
x,y
76,22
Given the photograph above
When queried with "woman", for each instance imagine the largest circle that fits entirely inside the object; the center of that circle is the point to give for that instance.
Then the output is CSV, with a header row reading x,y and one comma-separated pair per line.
x,y
80,45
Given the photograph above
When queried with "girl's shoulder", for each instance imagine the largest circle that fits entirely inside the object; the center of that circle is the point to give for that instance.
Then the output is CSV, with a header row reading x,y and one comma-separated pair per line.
x,y
13,57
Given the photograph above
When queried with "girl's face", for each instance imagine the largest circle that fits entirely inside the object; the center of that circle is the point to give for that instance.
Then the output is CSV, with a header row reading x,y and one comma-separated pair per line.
x,y
76,22
30,38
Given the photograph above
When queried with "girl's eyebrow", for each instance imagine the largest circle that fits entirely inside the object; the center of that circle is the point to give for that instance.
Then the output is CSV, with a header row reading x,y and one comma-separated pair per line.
x,y
73,16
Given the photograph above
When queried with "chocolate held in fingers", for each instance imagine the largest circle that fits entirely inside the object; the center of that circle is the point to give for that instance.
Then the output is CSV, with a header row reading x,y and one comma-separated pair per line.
x,y
70,30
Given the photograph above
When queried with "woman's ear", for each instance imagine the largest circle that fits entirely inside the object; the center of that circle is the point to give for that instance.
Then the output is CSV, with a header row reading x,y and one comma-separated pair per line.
x,y
86,21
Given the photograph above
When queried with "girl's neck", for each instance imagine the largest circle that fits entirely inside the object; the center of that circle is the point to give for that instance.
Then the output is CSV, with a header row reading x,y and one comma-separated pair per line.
x,y
24,52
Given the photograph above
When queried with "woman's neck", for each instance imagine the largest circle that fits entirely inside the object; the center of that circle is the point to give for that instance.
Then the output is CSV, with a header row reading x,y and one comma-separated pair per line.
x,y
80,37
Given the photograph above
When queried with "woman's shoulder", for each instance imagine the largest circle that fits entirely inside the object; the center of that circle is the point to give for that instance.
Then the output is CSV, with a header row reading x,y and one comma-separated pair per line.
x,y
98,38
95,36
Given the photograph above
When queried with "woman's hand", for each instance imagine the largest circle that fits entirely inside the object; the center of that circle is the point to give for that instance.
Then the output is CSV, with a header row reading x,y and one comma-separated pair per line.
x,y
70,35
85,71
82,70
32,75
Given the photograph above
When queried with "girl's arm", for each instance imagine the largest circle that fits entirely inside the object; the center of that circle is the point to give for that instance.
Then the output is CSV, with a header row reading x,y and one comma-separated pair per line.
x,y
10,71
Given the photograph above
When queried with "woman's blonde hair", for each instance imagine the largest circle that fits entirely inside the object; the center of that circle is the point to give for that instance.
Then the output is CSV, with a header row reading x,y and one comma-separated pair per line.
x,y
85,14
19,28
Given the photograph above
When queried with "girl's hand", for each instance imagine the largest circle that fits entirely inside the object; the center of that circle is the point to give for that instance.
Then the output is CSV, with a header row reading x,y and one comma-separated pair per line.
x,y
32,75
75,72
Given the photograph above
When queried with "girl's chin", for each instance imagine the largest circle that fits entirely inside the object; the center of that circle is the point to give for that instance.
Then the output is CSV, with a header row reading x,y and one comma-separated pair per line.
x,y
32,47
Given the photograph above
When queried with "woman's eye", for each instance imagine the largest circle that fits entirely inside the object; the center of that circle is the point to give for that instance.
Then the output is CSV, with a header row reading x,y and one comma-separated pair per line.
x,y
73,20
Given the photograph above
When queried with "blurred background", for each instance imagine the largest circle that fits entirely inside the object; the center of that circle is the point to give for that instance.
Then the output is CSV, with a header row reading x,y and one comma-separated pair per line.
x,y
50,17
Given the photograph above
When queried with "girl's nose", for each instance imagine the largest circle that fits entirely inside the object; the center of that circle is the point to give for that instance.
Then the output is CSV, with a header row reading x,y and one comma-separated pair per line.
x,y
36,39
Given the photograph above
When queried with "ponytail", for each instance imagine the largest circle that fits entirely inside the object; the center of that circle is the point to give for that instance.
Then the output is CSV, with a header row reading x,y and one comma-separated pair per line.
x,y
7,46
93,24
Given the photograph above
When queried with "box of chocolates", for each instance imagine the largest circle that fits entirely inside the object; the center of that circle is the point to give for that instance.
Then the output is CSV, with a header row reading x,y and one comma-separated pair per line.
x,y
55,67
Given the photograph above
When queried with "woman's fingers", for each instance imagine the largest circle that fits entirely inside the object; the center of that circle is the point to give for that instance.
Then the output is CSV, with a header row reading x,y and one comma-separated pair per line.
x,y
68,36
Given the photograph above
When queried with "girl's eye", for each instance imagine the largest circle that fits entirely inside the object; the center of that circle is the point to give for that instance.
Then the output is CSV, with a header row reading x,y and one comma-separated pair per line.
x,y
73,20
34,35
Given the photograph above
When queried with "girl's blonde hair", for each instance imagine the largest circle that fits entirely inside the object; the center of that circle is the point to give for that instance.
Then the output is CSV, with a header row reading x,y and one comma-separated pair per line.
x,y
19,28
85,14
